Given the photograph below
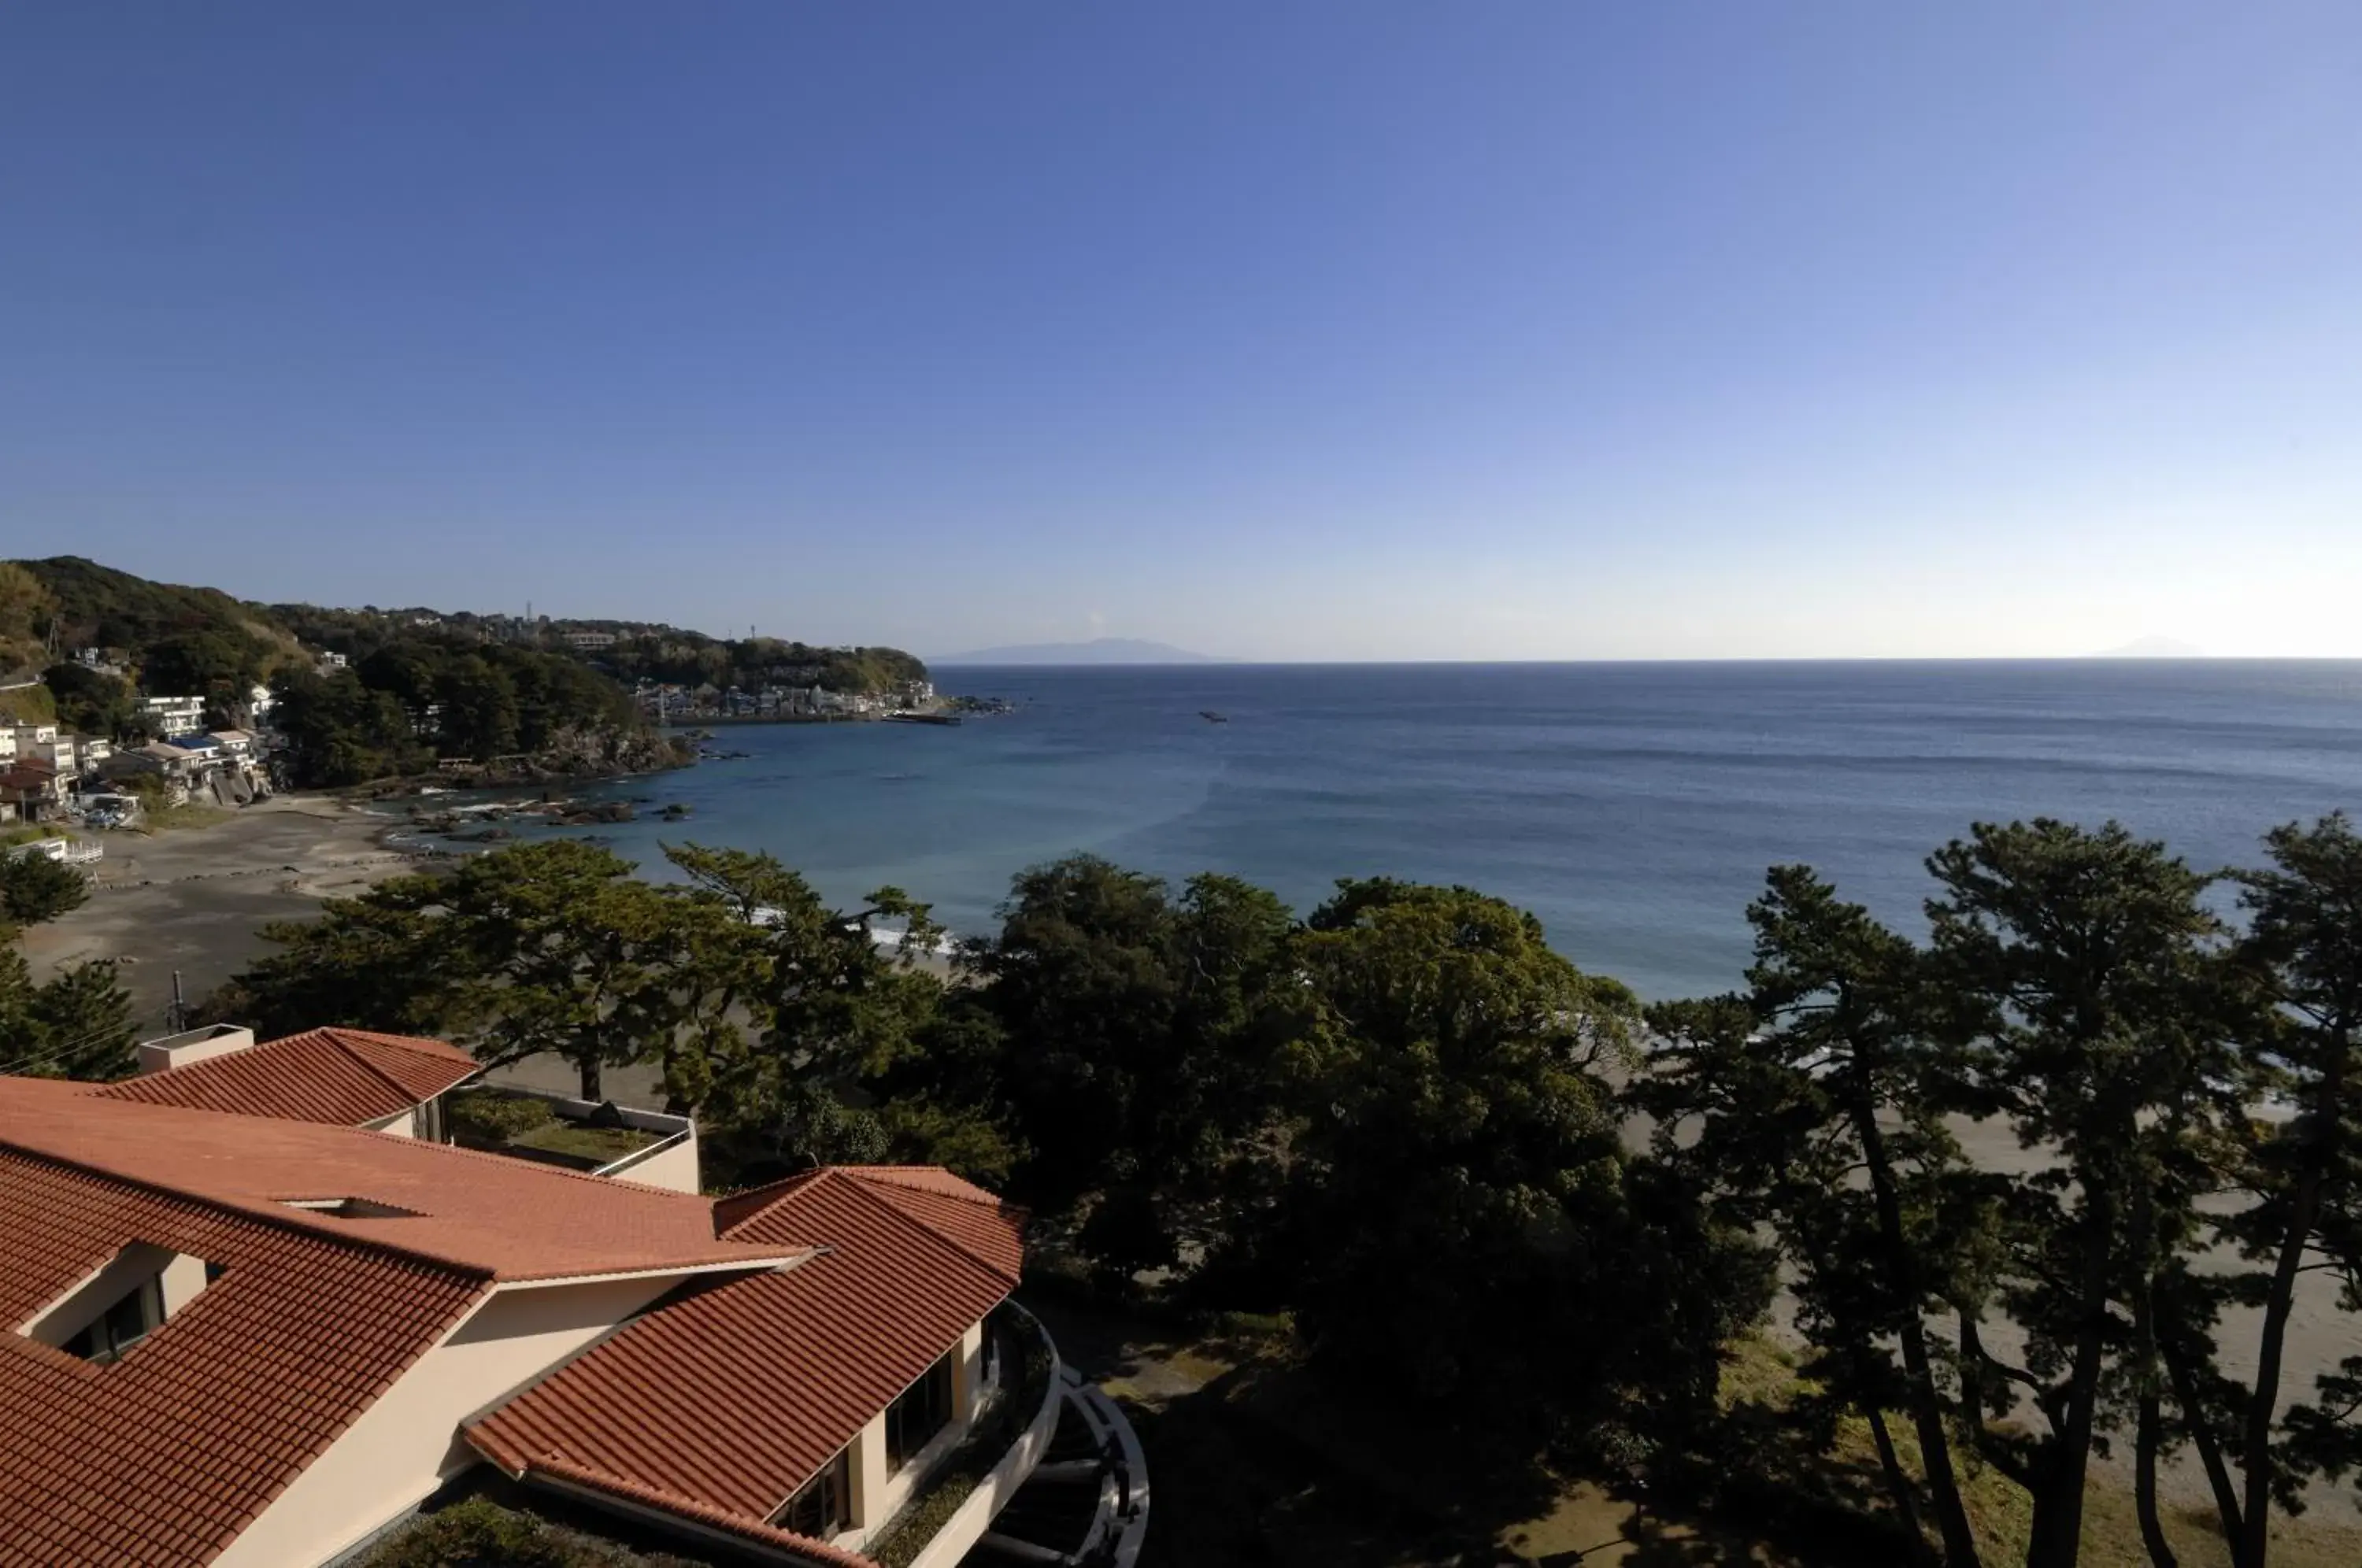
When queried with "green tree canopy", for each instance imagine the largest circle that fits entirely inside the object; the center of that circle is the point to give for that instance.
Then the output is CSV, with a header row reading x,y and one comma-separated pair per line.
x,y
91,704
78,1024
2083,974
33,887
1454,1207
1138,1030
1814,1107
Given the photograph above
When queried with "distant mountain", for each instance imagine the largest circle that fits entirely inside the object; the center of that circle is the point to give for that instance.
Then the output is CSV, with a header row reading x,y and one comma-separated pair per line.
x,y
2152,648
1099,650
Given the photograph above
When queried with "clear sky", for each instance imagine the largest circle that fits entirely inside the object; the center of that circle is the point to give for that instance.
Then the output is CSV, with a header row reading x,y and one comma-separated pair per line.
x,y
1525,329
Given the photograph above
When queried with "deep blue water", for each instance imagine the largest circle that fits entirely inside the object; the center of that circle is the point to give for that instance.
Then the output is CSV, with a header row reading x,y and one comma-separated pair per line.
x,y
1633,807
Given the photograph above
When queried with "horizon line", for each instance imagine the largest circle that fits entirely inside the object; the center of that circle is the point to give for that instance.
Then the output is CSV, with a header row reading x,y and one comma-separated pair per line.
x,y
1204,661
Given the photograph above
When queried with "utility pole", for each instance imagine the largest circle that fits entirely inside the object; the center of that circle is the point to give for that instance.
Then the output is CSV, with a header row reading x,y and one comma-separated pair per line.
x,y
176,1017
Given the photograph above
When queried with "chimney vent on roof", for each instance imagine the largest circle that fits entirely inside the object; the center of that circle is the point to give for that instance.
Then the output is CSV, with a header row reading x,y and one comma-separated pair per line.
x,y
192,1045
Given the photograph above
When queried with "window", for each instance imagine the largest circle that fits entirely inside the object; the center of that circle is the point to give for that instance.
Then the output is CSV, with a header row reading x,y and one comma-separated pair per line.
x,y
110,1336
917,1415
823,1507
121,1302
350,1208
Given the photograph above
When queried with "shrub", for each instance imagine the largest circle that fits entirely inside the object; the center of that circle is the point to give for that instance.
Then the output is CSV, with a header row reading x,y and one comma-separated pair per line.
x,y
477,1532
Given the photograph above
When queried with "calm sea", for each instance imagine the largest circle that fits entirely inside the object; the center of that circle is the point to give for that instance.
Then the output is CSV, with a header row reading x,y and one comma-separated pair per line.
x,y
1633,807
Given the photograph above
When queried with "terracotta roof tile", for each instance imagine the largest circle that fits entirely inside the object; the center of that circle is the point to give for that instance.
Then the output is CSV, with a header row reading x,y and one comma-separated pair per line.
x,y
348,1076
733,1397
162,1457
819,1552
510,1218
988,1230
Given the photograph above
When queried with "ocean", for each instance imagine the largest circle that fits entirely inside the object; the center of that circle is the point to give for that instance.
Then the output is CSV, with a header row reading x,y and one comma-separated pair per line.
x,y
1632,807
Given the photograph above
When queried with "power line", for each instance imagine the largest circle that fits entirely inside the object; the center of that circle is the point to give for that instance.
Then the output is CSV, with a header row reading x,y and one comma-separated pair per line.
x,y
54,1052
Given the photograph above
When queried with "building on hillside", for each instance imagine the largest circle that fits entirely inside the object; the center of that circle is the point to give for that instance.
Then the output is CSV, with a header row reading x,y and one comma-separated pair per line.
x,y
589,642
259,701
35,788
235,744
204,752
261,1313
175,766
7,743
175,715
60,752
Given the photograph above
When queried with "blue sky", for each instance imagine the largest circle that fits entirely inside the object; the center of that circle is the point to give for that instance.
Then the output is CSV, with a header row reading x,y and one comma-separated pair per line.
x,y
1352,330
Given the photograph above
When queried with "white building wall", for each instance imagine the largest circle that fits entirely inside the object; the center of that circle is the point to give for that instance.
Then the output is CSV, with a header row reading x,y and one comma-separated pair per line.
x,y
673,1166
404,1125
408,1443
878,1495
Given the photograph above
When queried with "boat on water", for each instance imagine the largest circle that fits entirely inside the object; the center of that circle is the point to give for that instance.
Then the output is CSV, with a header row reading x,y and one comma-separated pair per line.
x,y
923,718
1212,717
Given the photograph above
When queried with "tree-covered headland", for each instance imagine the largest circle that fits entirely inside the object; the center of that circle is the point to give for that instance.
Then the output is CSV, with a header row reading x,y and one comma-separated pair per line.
x,y
372,693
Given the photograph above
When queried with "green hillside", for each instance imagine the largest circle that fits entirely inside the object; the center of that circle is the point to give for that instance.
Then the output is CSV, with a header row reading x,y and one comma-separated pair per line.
x,y
92,605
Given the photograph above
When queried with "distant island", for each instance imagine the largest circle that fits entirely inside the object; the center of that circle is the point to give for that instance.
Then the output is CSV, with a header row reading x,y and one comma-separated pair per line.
x,y
1099,650
2152,648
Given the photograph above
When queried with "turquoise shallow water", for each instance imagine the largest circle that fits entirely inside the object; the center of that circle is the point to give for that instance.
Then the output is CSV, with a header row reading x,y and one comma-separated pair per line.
x,y
1633,807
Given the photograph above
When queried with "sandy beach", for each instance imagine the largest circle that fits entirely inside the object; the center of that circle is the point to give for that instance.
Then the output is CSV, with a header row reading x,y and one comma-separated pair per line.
x,y
195,899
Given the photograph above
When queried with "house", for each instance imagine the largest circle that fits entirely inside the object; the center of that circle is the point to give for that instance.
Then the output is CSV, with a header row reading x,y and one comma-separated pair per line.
x,y
175,715
329,663
258,1313
162,757
7,743
92,752
204,751
35,788
589,642
259,701
60,752
235,744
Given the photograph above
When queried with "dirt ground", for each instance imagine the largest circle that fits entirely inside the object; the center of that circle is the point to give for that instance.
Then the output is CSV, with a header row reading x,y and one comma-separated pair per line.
x,y
195,899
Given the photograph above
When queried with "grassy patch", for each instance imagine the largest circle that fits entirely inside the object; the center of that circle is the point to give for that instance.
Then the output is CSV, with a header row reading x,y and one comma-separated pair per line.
x,y
603,1144
28,705
2002,1512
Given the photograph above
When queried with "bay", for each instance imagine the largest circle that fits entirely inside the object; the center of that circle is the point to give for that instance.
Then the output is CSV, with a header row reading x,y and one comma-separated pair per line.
x,y
1632,807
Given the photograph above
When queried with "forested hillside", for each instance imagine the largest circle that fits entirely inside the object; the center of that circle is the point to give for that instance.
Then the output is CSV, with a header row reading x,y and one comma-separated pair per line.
x,y
690,658
89,605
422,699
419,686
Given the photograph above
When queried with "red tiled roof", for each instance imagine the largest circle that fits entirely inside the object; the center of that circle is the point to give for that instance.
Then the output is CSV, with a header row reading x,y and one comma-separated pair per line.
x,y
506,1218
971,1218
988,1229
165,1456
735,1397
715,1519
348,1076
